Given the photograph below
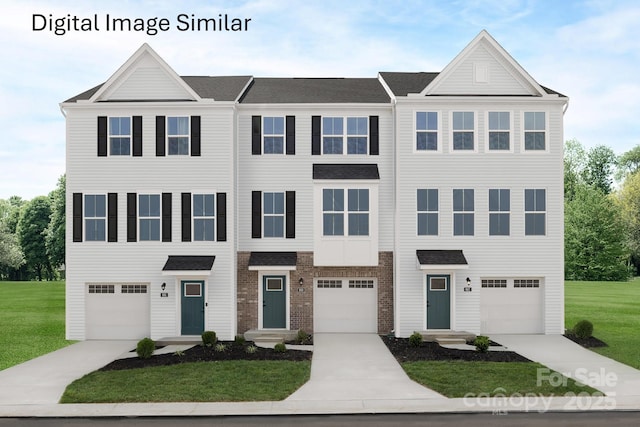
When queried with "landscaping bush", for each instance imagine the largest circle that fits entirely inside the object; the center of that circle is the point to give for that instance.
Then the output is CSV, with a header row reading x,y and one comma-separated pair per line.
x,y
280,347
303,337
251,349
145,348
239,340
482,343
220,347
209,338
415,339
583,329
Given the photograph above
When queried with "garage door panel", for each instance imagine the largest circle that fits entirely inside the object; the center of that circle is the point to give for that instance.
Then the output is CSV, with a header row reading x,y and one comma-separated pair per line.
x,y
117,315
344,309
511,310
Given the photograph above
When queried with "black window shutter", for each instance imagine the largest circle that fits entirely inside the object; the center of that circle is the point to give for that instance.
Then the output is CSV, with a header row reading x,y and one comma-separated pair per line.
x,y
256,214
160,140
132,217
137,136
102,136
256,135
112,217
374,140
315,135
290,215
291,134
195,135
77,217
221,217
166,217
186,217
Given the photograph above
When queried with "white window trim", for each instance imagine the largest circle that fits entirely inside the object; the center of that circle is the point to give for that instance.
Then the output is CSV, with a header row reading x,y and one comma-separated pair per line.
x,y
511,133
167,136
105,218
138,217
454,212
345,135
345,212
418,212
546,133
283,215
475,131
546,216
193,217
283,135
489,211
438,133
109,136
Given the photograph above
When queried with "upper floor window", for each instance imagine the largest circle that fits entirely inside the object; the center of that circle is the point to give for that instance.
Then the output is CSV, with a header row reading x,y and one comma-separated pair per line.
x,y
333,212
535,207
178,135
534,130
499,130
427,131
95,214
358,212
427,212
334,133
463,212
273,135
149,216
463,130
120,136
273,214
333,207
499,208
203,217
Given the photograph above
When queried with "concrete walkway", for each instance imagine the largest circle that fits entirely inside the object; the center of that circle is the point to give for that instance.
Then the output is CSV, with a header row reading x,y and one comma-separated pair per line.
x,y
574,361
357,367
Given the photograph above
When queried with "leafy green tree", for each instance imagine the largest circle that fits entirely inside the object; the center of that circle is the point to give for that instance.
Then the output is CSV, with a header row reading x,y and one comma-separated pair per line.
x,y
31,234
599,168
575,158
628,200
11,256
10,253
629,163
55,233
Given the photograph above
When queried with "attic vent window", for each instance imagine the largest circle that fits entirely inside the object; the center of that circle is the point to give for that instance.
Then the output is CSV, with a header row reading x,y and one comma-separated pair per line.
x,y
480,73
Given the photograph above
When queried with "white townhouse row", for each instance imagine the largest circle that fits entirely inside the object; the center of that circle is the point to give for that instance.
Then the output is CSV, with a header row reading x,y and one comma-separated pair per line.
x,y
407,202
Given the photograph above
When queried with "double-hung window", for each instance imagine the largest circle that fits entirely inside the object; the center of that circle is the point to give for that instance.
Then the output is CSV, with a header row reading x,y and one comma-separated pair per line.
x,y
463,212
149,216
178,135
273,216
463,130
499,212
95,213
333,212
120,136
358,212
357,135
203,217
427,212
499,131
534,131
273,135
426,131
535,207
334,133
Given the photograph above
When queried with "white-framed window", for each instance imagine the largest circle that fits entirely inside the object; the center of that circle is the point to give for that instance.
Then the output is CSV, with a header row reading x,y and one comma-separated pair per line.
x,y
427,206
120,136
149,216
494,283
526,283
102,289
333,212
463,212
133,289
333,208
535,212
499,131
499,212
328,283
361,284
358,203
178,136
426,131
463,130
204,217
273,214
95,217
535,131
273,135
335,130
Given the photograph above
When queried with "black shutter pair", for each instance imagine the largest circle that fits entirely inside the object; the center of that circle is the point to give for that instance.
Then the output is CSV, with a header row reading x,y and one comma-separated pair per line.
x,y
316,136
221,217
290,214
112,217
103,136
161,135
290,135
132,217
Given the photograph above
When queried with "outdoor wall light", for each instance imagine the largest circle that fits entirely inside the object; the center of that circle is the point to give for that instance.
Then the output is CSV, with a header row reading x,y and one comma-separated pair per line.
x,y
301,281
468,282
164,286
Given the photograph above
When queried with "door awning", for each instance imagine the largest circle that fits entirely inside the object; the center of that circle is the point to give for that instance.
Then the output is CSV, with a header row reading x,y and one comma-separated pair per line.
x,y
441,260
193,265
273,260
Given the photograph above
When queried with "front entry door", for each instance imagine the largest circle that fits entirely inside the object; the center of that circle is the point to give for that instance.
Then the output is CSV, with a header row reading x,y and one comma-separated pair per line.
x,y
438,302
274,302
192,307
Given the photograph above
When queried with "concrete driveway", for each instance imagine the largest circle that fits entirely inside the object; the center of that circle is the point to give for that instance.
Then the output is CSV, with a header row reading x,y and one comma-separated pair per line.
x,y
42,380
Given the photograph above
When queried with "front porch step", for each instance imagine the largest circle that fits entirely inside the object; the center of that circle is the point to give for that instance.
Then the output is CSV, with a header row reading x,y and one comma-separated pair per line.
x,y
449,337
183,340
270,336
448,341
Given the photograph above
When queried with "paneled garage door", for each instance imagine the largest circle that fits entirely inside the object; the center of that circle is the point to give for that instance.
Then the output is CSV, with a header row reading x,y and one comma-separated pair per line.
x,y
117,311
511,306
345,305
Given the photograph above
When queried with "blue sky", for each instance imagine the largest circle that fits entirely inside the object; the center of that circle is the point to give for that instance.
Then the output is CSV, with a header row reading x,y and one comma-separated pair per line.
x,y
588,50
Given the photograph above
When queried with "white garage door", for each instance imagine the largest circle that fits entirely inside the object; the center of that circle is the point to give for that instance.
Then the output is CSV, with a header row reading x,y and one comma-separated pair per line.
x,y
511,306
117,311
344,305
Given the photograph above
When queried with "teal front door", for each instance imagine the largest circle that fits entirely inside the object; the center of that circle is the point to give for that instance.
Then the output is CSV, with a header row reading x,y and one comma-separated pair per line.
x,y
274,302
438,302
192,304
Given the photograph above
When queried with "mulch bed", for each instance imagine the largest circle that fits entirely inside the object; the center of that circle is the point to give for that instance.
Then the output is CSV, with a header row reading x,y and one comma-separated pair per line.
x,y
590,342
404,352
208,354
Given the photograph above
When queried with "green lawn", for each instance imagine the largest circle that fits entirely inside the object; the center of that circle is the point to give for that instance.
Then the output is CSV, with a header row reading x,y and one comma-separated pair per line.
x,y
226,381
31,320
614,310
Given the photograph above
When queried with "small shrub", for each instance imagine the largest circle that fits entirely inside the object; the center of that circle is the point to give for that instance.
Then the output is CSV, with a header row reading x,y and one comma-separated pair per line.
x,y
415,340
482,343
280,347
251,349
209,338
239,340
303,337
178,353
220,347
145,348
583,329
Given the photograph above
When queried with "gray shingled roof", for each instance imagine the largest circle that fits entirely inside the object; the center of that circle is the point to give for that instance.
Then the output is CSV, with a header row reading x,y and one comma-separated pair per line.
x,y
345,171
441,257
312,90
188,263
273,259
403,83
